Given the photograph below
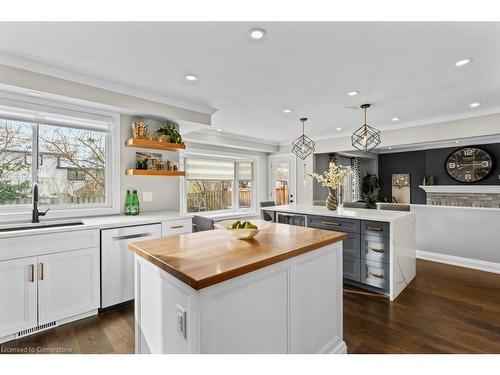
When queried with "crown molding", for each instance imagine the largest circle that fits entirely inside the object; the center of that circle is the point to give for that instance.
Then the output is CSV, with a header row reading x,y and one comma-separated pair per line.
x,y
33,66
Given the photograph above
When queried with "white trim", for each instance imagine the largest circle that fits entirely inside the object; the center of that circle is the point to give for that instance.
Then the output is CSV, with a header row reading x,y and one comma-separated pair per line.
x,y
478,189
475,264
21,63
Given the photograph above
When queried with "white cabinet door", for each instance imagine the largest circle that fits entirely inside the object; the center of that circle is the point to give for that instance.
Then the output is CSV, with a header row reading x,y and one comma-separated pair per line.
x,y
68,284
117,261
18,295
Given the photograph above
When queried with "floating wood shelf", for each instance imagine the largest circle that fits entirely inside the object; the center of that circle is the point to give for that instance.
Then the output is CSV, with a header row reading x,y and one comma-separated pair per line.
x,y
153,172
145,143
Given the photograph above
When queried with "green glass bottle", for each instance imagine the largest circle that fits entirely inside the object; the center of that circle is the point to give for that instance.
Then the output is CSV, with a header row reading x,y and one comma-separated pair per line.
x,y
128,203
135,204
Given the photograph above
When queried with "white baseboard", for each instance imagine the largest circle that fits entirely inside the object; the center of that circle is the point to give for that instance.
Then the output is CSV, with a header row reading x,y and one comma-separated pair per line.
x,y
474,264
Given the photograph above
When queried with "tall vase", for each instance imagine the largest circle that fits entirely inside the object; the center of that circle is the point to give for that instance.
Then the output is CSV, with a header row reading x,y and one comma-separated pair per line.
x,y
331,200
340,196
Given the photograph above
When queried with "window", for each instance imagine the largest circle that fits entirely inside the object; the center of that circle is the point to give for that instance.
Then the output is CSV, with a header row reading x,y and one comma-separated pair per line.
x,y
219,184
68,153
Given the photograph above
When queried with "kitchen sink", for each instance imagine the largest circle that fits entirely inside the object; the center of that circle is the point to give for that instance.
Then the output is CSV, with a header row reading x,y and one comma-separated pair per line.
x,y
47,224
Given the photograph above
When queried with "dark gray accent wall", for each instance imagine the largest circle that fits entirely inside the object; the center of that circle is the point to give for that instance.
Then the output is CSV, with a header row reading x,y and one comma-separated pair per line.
x,y
429,163
412,162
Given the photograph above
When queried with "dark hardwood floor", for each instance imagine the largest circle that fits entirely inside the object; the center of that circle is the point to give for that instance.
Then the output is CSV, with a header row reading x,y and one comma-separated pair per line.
x,y
445,309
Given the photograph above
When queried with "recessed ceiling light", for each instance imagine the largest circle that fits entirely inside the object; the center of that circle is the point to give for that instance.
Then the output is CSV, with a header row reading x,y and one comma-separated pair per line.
x,y
338,129
287,110
457,141
219,130
464,61
353,93
395,119
191,77
390,148
474,105
34,93
257,34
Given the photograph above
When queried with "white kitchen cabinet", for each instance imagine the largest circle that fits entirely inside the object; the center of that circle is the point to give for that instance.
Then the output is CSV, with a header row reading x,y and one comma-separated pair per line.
x,y
117,261
47,280
18,295
68,284
176,227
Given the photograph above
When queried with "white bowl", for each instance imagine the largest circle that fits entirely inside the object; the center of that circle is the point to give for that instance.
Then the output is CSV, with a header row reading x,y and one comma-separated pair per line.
x,y
242,234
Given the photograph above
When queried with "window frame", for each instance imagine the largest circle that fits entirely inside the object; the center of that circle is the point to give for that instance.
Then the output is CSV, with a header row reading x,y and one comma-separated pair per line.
x,y
221,155
112,171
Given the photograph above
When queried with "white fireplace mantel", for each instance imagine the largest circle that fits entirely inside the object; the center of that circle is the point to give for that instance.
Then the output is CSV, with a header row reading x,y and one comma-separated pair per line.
x,y
457,189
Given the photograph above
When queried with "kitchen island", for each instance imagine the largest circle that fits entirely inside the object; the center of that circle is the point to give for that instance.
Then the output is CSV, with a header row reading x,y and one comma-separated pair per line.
x,y
206,292
379,253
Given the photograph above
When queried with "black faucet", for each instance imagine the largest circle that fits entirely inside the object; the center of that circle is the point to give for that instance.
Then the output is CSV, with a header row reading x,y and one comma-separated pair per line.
x,y
35,217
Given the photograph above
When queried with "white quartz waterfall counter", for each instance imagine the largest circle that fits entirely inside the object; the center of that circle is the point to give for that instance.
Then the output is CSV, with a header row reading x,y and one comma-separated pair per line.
x,y
380,251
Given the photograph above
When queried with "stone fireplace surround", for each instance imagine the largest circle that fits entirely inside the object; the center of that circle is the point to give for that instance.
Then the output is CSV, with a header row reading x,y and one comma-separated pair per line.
x,y
487,196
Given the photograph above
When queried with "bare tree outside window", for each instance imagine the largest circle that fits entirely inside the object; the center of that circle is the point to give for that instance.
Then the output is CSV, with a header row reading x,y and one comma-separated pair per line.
x,y
15,172
73,152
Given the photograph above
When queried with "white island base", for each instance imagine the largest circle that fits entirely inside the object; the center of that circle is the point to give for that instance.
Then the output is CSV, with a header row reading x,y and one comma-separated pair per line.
x,y
294,306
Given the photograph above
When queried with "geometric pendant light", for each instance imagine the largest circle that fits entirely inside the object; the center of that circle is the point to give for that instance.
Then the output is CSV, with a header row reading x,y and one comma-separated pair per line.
x,y
365,138
303,146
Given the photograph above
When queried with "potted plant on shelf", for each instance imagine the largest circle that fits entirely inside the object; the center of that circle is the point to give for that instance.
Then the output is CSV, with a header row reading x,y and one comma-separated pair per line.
x,y
333,179
169,133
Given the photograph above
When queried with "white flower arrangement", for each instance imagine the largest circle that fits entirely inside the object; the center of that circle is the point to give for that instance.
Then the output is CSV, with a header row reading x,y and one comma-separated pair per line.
x,y
333,177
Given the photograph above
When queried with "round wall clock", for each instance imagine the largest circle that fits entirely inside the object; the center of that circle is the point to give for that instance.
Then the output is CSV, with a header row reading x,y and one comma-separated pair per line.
x,y
469,164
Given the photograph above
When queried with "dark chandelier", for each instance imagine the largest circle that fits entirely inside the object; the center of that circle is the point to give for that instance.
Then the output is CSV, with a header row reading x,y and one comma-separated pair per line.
x,y
365,138
303,146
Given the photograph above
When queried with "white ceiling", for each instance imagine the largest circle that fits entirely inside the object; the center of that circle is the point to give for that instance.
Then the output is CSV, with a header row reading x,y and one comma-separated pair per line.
x,y
404,69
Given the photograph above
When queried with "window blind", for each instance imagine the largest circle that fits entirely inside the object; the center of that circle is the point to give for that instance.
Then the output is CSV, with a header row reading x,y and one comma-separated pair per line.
x,y
209,169
42,114
245,170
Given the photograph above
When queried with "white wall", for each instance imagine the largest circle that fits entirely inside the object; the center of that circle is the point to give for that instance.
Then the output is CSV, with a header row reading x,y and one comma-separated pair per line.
x,y
165,189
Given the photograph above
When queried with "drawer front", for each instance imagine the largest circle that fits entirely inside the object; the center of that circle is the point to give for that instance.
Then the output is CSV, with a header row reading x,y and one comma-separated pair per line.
x,y
375,248
375,274
175,227
333,223
352,268
47,243
351,246
376,228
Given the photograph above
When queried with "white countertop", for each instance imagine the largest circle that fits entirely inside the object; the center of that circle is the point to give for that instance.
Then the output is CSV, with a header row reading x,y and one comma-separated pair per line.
x,y
101,222
349,213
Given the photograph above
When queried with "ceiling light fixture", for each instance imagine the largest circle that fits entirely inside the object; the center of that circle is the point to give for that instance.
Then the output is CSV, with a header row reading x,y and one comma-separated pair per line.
x,y
353,93
457,141
191,77
395,119
257,34
365,138
474,105
464,62
303,146
219,130
287,110
338,129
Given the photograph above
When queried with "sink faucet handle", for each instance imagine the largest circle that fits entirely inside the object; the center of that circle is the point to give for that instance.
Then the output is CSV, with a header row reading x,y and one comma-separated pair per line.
x,y
43,213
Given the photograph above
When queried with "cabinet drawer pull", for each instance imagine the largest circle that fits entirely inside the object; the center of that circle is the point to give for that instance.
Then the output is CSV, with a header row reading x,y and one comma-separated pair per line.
x,y
42,272
177,227
376,250
331,223
377,229
32,273
377,275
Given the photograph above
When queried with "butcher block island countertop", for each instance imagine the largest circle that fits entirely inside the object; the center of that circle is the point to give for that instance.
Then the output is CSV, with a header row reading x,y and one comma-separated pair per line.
x,y
206,258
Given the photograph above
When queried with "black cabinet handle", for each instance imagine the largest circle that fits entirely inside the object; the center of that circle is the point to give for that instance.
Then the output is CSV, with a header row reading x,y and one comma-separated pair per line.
x,y
331,223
